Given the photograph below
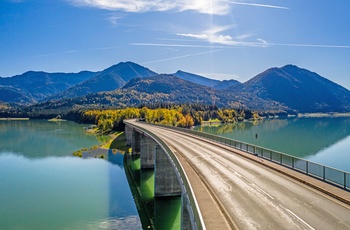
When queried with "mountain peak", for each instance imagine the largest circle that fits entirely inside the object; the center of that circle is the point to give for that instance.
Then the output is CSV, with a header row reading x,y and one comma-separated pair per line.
x,y
298,89
290,66
128,70
196,78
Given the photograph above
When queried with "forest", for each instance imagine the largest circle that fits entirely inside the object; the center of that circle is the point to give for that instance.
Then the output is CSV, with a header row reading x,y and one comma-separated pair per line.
x,y
173,115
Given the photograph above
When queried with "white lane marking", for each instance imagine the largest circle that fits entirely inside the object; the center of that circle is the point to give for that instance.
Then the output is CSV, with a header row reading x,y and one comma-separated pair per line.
x,y
216,173
236,173
220,162
252,184
262,191
297,217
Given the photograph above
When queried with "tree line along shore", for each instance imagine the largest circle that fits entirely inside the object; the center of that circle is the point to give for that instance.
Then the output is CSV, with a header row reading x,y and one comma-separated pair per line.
x,y
180,116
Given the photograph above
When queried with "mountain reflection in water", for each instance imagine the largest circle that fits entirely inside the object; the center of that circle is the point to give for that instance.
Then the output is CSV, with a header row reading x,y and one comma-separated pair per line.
x,y
300,137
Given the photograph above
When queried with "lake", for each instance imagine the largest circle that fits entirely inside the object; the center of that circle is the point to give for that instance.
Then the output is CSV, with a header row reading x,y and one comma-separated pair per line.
x,y
42,186
322,140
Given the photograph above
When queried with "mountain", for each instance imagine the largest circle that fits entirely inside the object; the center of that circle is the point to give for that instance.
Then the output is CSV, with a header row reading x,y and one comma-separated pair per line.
x,y
205,81
109,79
226,84
34,86
299,89
289,88
13,95
196,78
169,88
158,89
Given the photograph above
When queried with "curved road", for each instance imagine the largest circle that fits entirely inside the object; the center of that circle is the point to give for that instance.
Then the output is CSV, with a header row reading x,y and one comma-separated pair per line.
x,y
254,196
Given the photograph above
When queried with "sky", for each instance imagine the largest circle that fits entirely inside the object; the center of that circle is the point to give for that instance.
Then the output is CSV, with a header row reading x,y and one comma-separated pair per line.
x,y
219,39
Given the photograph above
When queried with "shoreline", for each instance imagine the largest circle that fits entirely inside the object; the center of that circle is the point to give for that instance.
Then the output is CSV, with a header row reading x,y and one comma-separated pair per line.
x,y
115,144
56,119
14,119
318,115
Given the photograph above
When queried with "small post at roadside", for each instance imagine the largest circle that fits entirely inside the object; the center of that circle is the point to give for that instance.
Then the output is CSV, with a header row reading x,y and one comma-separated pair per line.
x,y
256,137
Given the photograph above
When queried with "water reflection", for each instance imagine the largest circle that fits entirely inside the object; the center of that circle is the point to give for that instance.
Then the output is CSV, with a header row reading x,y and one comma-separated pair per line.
x,y
300,137
167,213
159,212
40,138
43,187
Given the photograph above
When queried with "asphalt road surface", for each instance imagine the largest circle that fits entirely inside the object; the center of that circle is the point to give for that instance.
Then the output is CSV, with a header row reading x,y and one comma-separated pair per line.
x,y
254,196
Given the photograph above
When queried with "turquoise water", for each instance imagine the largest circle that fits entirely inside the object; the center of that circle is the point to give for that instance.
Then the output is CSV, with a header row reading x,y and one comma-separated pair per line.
x,y
162,213
322,140
43,187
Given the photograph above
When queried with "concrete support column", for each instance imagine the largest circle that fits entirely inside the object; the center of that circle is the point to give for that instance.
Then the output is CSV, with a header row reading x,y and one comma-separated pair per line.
x,y
147,152
135,143
128,135
166,182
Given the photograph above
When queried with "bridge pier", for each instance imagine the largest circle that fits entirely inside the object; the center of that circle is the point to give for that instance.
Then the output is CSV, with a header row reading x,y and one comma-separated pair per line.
x,y
147,152
166,182
128,135
166,178
135,143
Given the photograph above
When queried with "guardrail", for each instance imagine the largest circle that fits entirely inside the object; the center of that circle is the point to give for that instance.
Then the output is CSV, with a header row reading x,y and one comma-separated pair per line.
x,y
330,175
193,207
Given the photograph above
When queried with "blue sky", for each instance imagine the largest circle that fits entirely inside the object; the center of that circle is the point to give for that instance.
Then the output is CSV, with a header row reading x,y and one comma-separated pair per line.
x,y
217,39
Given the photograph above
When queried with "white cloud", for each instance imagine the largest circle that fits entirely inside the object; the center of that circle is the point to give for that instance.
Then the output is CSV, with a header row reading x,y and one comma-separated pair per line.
x,y
214,36
260,5
216,7
180,57
311,45
218,29
213,7
114,19
175,45
260,43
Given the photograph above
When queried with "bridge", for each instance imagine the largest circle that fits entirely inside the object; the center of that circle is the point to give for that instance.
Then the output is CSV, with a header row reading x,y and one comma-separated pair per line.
x,y
223,186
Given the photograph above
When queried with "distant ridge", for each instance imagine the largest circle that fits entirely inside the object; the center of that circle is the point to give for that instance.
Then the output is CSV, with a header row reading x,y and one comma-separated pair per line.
x,y
35,86
226,84
298,89
205,81
196,78
109,79
288,88
158,89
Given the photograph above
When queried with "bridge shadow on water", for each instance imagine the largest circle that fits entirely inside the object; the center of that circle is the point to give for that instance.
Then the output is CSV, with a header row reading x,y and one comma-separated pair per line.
x,y
161,213
122,213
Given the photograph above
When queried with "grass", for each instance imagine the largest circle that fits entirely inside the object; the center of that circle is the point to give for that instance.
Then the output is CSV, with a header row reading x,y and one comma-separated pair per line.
x,y
216,120
14,119
117,142
56,119
78,153
101,156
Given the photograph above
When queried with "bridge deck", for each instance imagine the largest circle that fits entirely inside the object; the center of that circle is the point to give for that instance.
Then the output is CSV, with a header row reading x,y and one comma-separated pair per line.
x,y
248,192
213,213
329,189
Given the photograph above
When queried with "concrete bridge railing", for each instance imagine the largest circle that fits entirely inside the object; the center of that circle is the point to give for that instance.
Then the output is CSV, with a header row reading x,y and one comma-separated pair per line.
x,y
154,153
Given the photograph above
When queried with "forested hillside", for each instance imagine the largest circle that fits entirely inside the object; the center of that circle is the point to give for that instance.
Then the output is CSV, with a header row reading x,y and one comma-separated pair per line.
x,y
174,115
